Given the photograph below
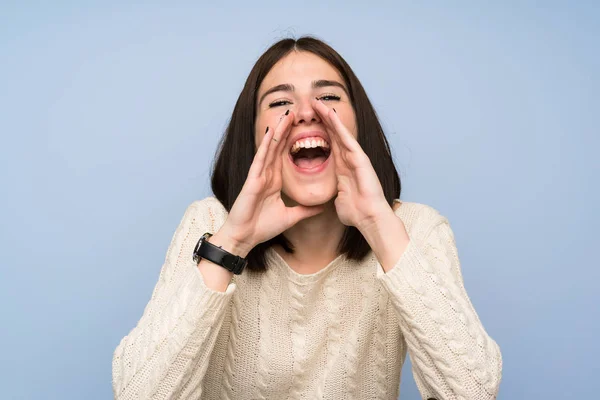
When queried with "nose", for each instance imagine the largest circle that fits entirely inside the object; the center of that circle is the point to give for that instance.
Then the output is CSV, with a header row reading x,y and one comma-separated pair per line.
x,y
305,113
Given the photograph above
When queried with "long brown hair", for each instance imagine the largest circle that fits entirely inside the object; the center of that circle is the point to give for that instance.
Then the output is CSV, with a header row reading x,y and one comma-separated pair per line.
x,y
236,149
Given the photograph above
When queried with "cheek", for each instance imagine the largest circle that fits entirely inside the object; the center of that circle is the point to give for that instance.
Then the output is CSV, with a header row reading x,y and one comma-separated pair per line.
x,y
259,134
262,121
257,141
351,125
349,121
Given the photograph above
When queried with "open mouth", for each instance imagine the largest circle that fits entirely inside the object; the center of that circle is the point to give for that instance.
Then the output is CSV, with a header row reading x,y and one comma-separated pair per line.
x,y
309,153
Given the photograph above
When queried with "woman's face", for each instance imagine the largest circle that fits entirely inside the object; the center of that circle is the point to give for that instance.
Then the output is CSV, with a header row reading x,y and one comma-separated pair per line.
x,y
309,174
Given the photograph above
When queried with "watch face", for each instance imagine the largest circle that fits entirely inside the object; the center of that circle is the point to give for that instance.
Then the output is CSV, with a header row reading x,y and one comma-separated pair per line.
x,y
195,255
206,236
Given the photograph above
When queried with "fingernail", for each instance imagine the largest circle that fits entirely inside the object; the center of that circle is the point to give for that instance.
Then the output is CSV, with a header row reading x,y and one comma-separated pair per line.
x,y
334,110
267,130
287,112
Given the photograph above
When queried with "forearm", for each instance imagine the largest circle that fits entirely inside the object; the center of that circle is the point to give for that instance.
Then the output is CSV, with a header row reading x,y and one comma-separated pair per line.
x,y
169,340
177,330
387,237
449,346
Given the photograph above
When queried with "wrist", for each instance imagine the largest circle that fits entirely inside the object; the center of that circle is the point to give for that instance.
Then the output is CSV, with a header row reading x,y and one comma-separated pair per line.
x,y
377,220
229,244
388,239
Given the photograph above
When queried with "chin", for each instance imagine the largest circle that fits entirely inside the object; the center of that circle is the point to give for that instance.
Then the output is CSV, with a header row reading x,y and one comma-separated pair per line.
x,y
309,195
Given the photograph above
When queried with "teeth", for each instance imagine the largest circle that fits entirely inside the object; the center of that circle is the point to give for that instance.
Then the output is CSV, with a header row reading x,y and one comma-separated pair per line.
x,y
309,143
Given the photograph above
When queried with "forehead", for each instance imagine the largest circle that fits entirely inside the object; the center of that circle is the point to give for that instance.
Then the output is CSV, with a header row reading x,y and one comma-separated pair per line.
x,y
298,68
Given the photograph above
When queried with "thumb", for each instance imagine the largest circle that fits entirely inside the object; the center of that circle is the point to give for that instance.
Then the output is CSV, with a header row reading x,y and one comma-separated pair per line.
x,y
298,213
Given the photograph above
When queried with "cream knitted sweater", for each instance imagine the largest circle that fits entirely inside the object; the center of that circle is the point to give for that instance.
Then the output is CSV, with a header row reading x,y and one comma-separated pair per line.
x,y
341,333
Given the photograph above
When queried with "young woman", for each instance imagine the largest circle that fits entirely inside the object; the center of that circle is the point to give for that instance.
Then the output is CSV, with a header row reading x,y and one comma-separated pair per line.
x,y
336,279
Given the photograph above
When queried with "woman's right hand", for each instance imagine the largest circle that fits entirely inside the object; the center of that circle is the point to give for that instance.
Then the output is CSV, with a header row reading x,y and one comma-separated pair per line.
x,y
259,213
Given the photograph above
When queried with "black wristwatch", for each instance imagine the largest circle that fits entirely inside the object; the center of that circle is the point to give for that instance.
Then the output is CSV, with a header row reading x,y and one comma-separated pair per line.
x,y
215,254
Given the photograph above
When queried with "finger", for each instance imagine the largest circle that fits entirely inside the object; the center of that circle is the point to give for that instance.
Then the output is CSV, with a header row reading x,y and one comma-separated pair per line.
x,y
332,120
298,213
281,152
279,137
337,151
346,138
285,134
285,138
323,112
258,163
335,148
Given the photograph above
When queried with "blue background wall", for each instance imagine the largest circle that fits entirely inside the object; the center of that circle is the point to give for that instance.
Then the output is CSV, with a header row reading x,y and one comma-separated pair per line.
x,y
110,115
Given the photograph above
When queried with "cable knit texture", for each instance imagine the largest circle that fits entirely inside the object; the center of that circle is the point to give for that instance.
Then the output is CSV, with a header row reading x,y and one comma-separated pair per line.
x,y
340,333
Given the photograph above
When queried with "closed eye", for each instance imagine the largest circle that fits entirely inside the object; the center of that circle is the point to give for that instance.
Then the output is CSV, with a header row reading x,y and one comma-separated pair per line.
x,y
329,97
326,97
279,103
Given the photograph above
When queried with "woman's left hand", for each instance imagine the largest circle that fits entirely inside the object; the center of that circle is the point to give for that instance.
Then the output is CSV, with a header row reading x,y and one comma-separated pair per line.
x,y
360,201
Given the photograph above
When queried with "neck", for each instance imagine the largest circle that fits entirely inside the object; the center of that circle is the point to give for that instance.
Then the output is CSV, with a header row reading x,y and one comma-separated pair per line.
x,y
315,241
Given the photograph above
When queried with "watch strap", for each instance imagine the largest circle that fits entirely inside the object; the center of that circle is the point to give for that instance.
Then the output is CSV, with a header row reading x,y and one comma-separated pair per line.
x,y
215,254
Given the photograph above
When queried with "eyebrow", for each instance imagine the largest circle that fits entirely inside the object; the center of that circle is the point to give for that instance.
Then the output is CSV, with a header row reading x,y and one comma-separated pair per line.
x,y
287,87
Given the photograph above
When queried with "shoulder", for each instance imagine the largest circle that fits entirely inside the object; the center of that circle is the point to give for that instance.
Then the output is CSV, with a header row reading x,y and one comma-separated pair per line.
x,y
208,203
418,218
208,212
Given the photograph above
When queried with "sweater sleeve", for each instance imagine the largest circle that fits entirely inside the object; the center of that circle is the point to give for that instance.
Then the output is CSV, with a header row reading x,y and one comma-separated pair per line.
x,y
180,324
452,355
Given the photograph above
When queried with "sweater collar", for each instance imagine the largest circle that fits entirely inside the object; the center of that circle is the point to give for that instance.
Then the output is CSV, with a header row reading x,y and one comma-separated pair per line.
x,y
276,261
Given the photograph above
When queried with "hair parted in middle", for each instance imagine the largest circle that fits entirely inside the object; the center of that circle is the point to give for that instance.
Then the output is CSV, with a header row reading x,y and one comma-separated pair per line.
x,y
236,149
